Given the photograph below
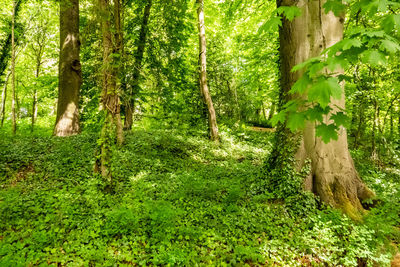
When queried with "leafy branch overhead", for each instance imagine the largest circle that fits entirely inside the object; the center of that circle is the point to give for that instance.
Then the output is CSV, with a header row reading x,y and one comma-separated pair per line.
x,y
322,85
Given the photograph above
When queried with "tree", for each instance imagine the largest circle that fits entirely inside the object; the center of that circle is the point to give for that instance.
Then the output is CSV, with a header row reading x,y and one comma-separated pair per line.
x,y
141,43
14,119
112,131
70,74
332,174
212,119
38,47
3,100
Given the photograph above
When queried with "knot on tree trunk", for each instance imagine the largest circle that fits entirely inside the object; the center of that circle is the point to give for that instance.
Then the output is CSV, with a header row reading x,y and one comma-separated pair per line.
x,y
76,65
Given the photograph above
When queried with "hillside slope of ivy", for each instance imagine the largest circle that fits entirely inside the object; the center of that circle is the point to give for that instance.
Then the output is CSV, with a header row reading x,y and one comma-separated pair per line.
x,y
179,200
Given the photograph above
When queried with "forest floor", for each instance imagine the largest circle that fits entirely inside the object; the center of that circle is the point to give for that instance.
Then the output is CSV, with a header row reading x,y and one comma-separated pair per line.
x,y
180,200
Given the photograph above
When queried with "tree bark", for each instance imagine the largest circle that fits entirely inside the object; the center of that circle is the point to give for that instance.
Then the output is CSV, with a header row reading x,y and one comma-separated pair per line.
x,y
4,98
70,74
14,119
333,176
112,131
141,45
212,118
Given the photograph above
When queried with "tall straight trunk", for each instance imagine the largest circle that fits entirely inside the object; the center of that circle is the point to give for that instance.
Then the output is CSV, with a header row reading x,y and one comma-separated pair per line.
x,y
374,154
391,124
398,123
332,175
70,73
34,109
212,118
141,45
14,119
272,111
4,98
112,131
34,97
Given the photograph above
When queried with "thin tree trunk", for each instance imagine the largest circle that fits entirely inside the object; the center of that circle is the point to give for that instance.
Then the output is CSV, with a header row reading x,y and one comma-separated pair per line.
x,y
70,74
141,45
391,124
117,67
18,107
3,99
34,98
14,120
332,176
233,91
212,118
272,111
374,154
112,131
398,123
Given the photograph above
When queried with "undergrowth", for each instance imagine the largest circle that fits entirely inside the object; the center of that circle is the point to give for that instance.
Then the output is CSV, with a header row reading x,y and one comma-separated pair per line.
x,y
179,200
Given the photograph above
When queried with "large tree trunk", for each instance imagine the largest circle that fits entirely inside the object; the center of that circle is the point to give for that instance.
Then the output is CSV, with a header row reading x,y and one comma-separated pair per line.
x,y
112,131
141,44
212,118
14,119
333,176
70,74
3,99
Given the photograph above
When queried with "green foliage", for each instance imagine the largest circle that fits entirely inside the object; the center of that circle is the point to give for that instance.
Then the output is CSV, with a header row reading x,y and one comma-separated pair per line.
x,y
179,200
369,46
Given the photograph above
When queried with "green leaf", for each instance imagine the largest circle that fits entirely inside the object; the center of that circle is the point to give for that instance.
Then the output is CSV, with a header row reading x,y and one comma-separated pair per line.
x,y
322,91
296,121
305,63
316,68
327,132
340,119
301,85
391,22
290,12
293,105
315,114
372,34
373,57
272,24
336,62
336,6
349,43
383,5
280,117
336,88
390,46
